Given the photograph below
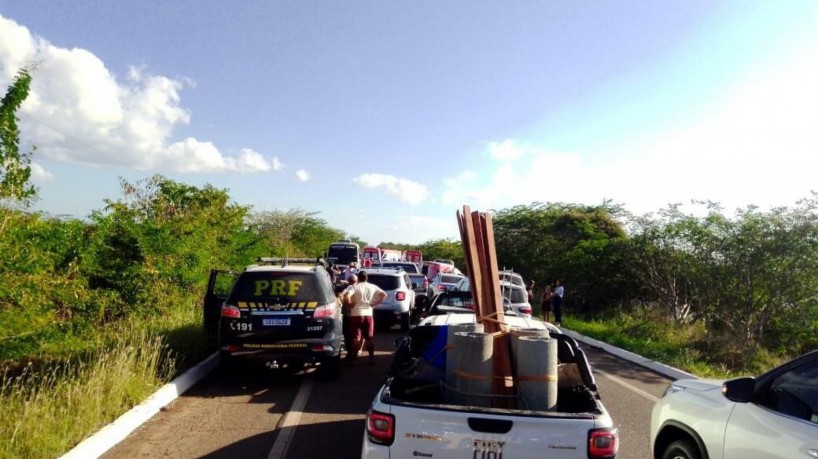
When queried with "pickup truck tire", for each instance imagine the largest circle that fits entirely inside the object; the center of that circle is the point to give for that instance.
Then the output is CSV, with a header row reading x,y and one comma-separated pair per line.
x,y
681,449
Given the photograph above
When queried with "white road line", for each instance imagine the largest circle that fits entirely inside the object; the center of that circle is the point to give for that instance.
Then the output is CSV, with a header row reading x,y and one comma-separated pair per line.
x,y
628,386
290,421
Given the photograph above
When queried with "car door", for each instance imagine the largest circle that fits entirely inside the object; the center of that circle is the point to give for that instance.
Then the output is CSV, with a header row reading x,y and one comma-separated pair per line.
x,y
782,422
218,287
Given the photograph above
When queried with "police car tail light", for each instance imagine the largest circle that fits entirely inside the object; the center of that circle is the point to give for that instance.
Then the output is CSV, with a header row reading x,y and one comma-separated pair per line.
x,y
400,296
603,443
380,427
231,311
327,310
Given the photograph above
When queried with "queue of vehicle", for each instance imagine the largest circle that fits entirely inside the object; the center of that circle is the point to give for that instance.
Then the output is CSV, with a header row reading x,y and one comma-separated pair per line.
x,y
284,313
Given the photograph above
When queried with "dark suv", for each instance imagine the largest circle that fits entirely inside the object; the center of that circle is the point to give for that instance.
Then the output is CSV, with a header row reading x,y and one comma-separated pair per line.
x,y
279,312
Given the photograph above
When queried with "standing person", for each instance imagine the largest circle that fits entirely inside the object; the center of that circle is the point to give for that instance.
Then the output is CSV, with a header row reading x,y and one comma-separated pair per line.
x,y
546,298
559,294
530,291
334,272
362,297
346,306
350,271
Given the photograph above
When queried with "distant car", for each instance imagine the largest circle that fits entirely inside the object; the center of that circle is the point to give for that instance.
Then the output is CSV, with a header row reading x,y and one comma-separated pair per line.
x,y
772,416
508,275
407,266
456,302
450,307
400,298
444,282
283,312
464,285
517,296
444,261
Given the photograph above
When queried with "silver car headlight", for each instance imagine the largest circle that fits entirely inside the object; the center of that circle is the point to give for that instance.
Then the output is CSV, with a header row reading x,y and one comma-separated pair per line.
x,y
672,389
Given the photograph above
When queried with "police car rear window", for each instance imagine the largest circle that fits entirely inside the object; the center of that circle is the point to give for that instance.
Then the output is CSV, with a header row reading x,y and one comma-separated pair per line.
x,y
385,282
279,286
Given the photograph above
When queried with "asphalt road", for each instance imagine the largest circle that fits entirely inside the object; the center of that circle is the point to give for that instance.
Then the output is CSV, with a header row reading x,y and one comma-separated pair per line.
x,y
264,414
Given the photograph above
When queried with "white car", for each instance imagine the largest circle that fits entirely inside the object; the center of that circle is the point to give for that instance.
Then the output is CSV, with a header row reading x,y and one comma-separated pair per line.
x,y
772,416
400,298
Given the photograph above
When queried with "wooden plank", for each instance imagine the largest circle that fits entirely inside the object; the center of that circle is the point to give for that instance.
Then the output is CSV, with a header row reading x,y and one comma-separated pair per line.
x,y
503,376
468,238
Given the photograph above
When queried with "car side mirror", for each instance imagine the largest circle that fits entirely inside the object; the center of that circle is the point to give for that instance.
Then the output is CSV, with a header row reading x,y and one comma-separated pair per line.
x,y
739,390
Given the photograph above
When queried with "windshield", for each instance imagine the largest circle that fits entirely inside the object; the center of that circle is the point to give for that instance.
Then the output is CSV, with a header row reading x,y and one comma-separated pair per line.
x,y
450,279
342,254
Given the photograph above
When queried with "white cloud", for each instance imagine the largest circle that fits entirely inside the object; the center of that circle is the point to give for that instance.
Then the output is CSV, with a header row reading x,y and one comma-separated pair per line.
x,y
507,150
755,145
78,111
302,175
38,173
406,190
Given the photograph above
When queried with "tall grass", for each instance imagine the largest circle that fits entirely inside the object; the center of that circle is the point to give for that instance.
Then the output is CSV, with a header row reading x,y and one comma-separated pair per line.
x,y
45,413
688,347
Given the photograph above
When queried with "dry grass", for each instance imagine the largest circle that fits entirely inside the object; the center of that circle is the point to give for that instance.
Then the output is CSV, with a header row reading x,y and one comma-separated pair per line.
x,y
45,413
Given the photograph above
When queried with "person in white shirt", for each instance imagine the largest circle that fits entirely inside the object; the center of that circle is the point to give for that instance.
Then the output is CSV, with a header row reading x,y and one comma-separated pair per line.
x,y
361,297
350,271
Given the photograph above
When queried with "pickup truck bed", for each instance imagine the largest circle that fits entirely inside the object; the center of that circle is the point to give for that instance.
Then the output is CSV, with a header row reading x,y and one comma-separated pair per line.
x,y
409,416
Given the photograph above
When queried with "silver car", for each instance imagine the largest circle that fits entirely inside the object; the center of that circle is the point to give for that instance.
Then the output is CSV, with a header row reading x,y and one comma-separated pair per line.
x,y
772,416
518,297
443,282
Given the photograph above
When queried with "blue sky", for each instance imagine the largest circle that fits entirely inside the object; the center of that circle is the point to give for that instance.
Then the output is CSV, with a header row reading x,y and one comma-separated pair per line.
x,y
387,117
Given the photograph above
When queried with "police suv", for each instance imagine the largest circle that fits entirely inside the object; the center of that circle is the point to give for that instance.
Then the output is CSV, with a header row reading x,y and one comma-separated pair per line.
x,y
282,312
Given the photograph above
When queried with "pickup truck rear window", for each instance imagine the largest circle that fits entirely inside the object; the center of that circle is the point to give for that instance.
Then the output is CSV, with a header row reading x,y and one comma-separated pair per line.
x,y
278,286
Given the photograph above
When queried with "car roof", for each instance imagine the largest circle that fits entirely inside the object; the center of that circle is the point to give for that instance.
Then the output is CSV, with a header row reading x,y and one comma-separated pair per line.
x,y
385,271
288,268
464,318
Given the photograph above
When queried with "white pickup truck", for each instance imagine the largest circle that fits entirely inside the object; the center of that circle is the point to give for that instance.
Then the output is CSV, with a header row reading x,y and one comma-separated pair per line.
x,y
410,418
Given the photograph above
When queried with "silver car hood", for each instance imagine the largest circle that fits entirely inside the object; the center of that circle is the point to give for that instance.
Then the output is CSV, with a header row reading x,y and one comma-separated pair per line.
x,y
700,384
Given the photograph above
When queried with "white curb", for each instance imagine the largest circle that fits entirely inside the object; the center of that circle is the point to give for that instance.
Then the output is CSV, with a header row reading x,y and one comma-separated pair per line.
x,y
658,367
106,438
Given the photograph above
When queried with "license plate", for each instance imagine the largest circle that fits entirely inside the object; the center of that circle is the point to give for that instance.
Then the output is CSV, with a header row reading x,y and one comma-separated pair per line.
x,y
278,321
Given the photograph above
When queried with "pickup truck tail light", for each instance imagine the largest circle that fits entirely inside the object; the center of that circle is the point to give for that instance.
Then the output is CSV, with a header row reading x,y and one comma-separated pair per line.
x,y
325,311
400,296
603,443
380,427
231,311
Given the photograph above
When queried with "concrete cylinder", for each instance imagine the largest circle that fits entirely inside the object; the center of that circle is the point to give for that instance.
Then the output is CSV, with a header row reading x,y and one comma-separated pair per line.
x,y
473,370
537,373
515,336
451,356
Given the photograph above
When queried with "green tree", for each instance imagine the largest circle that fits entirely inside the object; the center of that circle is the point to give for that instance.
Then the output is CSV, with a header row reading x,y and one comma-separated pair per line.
x,y
15,169
155,246
584,246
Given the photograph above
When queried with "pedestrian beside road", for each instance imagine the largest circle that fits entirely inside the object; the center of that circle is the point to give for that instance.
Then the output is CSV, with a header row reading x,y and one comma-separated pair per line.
x,y
559,295
362,297
530,291
546,299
